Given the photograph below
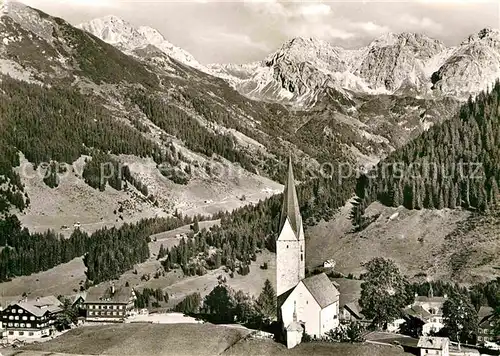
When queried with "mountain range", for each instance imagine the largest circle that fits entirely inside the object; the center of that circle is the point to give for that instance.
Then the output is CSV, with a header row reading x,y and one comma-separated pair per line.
x,y
302,67
203,138
322,102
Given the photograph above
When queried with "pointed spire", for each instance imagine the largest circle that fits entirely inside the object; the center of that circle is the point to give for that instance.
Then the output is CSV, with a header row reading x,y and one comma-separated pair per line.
x,y
290,208
431,291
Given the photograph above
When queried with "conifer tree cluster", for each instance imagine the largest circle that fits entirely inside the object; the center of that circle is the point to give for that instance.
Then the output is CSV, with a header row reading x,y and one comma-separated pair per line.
x,y
454,164
25,253
107,252
102,169
247,230
56,124
178,123
149,297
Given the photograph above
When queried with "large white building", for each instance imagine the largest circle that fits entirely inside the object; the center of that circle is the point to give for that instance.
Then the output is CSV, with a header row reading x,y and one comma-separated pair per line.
x,y
313,302
31,318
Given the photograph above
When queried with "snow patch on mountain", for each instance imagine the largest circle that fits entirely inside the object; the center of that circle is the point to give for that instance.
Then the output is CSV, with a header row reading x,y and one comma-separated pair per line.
x,y
122,34
300,70
29,19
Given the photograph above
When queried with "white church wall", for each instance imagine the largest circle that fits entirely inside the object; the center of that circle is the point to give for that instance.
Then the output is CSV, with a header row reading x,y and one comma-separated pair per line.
x,y
308,310
288,272
293,338
302,244
329,318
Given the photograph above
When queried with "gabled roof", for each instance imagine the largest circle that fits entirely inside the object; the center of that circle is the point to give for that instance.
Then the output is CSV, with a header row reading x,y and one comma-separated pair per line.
x,y
485,317
355,309
432,342
281,299
484,312
290,208
82,295
121,295
322,289
40,306
425,299
418,312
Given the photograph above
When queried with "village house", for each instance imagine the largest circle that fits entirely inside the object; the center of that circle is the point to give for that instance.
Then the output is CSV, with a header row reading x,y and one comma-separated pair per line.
x,y
311,303
79,300
350,293
485,326
436,346
351,312
31,318
430,310
114,305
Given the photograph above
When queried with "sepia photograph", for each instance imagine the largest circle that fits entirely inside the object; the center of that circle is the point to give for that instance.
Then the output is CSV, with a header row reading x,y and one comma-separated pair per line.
x,y
249,178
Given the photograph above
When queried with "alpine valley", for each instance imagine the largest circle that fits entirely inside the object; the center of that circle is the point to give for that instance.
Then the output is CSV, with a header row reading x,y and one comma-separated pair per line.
x,y
185,142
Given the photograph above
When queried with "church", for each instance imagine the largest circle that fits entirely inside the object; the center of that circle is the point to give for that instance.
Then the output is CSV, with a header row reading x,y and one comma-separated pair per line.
x,y
311,304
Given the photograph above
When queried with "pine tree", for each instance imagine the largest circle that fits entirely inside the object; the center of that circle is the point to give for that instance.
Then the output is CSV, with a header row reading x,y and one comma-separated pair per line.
x,y
266,302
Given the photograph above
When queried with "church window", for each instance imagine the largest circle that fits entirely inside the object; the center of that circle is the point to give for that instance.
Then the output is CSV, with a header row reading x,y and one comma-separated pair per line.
x,y
286,246
302,257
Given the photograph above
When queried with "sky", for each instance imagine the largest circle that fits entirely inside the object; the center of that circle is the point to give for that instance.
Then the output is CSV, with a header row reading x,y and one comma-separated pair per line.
x,y
248,30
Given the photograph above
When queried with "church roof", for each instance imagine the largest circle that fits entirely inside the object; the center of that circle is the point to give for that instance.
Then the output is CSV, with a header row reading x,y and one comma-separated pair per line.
x,y
290,207
322,289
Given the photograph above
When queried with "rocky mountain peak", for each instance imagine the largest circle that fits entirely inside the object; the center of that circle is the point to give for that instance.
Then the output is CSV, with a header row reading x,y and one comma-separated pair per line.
x,y
114,30
472,67
416,41
152,35
486,37
303,66
300,49
30,19
485,34
118,32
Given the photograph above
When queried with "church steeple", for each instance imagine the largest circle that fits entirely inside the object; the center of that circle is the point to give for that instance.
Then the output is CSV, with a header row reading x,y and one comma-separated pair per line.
x,y
290,207
290,244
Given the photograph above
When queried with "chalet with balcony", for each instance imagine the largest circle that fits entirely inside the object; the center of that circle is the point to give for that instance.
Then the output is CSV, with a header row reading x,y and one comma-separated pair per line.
x,y
31,318
114,305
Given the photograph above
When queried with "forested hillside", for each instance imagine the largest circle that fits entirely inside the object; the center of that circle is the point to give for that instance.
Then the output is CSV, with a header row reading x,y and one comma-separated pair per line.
x,y
99,102
455,164
247,230
108,252
57,123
